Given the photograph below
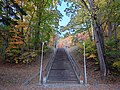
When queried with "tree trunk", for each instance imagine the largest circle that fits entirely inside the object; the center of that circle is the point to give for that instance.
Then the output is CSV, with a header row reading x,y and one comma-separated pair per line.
x,y
4,47
37,32
115,35
22,30
100,35
89,35
99,50
109,33
93,36
99,39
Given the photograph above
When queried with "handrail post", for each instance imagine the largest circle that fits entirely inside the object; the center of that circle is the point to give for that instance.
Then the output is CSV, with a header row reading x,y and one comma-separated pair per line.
x,y
85,75
41,61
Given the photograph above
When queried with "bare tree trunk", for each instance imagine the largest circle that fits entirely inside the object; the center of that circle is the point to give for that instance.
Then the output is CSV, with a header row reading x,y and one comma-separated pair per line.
x,y
109,33
4,47
115,35
22,30
100,35
37,32
93,36
99,39
99,50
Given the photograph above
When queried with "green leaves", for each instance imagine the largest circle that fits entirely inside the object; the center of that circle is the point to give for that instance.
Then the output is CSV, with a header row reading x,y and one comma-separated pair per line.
x,y
9,11
34,21
116,65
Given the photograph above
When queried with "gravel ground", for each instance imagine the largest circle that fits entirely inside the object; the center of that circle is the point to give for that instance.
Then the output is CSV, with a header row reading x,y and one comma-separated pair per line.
x,y
88,87
12,76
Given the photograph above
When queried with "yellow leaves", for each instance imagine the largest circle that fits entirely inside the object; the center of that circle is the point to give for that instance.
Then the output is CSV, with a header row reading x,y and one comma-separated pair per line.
x,y
100,2
7,50
69,39
29,8
55,2
21,24
16,60
18,1
14,31
13,39
87,54
24,61
91,56
11,47
28,56
15,42
116,64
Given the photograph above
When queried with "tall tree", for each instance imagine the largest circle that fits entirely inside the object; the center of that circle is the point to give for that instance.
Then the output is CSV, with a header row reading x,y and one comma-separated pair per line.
x,y
8,18
98,32
91,9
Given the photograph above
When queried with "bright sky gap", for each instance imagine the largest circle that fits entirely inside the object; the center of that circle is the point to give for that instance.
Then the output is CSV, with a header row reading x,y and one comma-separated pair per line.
x,y
65,19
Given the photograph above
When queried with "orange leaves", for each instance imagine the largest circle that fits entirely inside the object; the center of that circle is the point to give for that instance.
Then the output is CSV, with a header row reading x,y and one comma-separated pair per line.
x,y
17,43
14,31
16,37
20,1
14,47
16,40
65,42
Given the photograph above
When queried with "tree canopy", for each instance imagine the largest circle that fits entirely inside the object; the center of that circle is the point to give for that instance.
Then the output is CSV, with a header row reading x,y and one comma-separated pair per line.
x,y
100,18
25,24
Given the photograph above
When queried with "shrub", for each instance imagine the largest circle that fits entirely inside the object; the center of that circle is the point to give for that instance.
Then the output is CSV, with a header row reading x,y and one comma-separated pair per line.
x,y
91,52
113,55
116,65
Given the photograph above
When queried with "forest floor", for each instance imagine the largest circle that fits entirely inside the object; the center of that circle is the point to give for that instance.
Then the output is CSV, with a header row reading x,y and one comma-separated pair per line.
x,y
93,72
13,76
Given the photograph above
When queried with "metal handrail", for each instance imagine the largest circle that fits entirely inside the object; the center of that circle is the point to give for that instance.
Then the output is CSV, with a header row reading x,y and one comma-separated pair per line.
x,y
49,62
85,75
74,65
41,62
49,65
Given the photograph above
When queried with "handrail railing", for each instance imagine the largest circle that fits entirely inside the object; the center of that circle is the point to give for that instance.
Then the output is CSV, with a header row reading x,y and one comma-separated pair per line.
x,y
85,75
49,62
49,65
41,62
74,65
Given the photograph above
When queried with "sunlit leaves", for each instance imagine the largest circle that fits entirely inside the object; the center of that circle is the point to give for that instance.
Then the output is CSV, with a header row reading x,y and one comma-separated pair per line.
x,y
36,21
